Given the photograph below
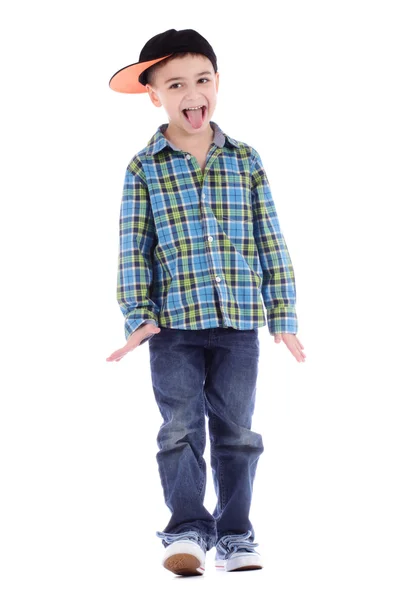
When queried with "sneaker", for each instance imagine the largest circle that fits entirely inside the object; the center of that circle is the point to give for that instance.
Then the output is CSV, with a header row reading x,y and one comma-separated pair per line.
x,y
235,553
185,553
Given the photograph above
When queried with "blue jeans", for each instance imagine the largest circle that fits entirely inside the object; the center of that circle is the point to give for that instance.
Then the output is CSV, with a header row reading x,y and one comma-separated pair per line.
x,y
213,373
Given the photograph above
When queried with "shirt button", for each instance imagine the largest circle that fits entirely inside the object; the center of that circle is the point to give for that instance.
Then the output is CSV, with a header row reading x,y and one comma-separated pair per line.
x,y
203,196
210,238
218,279
188,156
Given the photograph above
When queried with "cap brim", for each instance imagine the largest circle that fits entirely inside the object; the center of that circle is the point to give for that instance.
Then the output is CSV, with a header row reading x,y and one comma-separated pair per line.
x,y
126,79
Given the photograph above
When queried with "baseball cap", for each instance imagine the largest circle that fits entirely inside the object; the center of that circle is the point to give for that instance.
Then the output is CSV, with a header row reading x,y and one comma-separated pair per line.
x,y
132,78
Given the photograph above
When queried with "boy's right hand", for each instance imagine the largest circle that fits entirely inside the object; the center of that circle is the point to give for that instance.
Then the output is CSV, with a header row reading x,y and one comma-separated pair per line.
x,y
134,340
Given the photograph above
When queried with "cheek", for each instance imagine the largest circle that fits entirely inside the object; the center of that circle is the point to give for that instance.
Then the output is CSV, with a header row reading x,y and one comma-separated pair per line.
x,y
212,99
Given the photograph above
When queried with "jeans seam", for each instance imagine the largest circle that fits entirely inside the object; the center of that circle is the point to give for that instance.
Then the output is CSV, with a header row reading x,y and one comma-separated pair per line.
x,y
220,471
201,458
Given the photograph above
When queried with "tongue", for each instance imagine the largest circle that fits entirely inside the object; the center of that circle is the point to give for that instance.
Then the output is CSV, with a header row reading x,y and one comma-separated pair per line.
x,y
195,117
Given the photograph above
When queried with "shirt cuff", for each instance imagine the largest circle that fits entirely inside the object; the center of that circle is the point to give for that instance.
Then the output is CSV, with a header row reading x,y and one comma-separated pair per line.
x,y
132,325
282,319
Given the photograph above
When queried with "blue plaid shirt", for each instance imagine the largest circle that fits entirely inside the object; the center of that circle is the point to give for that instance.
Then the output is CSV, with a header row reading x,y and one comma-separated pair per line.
x,y
200,250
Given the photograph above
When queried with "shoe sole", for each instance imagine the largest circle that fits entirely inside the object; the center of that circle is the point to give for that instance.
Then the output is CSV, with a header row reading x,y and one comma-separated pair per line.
x,y
184,558
184,564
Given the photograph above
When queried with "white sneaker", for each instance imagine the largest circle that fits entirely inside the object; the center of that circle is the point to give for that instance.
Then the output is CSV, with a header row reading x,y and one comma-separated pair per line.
x,y
235,553
185,554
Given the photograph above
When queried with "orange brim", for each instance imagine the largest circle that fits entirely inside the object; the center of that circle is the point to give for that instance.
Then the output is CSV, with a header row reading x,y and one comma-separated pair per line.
x,y
126,79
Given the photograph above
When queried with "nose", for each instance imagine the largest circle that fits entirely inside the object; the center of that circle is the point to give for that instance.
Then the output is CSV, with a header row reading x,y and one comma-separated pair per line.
x,y
192,92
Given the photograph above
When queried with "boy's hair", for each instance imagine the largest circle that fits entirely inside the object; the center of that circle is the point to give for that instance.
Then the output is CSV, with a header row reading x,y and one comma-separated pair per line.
x,y
151,72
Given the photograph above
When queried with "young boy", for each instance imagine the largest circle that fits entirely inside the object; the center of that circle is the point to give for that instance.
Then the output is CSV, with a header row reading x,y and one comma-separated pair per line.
x,y
201,256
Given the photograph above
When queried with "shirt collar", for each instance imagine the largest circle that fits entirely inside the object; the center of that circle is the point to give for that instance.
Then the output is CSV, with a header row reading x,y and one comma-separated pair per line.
x,y
158,141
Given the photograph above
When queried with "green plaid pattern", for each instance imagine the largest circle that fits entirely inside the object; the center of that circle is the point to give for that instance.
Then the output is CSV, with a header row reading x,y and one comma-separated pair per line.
x,y
201,250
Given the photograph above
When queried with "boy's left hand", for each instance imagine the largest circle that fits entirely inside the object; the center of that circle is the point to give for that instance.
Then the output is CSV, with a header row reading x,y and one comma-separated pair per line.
x,y
293,344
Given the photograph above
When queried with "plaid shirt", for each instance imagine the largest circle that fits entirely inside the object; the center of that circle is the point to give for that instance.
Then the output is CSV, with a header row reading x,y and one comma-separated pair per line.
x,y
200,250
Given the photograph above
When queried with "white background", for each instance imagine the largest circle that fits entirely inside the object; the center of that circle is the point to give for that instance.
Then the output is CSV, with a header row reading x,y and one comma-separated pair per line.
x,y
314,87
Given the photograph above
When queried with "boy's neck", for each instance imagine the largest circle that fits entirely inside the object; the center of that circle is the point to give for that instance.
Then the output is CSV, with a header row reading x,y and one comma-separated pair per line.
x,y
189,142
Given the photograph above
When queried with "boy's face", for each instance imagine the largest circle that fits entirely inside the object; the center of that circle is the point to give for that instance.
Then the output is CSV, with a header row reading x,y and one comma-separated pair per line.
x,y
195,83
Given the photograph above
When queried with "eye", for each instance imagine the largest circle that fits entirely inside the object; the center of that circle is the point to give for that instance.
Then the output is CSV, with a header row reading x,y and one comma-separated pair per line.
x,y
202,79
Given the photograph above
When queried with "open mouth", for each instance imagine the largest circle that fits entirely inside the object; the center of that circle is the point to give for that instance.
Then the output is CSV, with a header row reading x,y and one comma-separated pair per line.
x,y
195,117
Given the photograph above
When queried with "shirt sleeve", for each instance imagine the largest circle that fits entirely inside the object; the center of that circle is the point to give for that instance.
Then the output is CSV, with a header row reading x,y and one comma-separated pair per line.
x,y
137,239
278,286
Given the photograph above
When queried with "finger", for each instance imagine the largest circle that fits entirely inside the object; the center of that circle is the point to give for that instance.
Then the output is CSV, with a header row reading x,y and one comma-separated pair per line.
x,y
301,356
121,353
298,344
296,352
297,355
118,355
296,341
294,347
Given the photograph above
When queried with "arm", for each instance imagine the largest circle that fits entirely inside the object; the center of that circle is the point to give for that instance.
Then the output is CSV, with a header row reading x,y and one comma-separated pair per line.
x,y
278,286
137,239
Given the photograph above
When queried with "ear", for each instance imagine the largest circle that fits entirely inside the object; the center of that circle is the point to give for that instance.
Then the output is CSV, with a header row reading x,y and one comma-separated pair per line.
x,y
217,77
153,95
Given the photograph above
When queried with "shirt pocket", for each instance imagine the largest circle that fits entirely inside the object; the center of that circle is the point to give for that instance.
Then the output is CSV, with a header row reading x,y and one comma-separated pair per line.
x,y
233,201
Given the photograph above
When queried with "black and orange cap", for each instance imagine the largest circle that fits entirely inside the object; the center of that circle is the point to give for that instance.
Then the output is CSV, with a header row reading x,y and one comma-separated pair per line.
x,y
132,78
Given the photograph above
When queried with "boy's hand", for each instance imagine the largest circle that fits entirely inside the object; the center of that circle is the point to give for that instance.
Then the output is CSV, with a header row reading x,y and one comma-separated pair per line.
x,y
134,340
292,343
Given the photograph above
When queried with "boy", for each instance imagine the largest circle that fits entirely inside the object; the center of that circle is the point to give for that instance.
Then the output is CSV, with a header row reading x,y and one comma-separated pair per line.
x,y
200,252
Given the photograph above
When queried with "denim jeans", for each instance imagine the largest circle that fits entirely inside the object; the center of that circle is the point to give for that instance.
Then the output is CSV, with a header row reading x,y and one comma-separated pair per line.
x,y
197,374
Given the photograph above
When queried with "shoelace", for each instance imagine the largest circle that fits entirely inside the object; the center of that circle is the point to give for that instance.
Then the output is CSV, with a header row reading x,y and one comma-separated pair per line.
x,y
229,544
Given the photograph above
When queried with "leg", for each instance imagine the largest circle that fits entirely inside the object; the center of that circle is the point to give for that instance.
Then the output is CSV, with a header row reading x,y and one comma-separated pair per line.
x,y
178,372
230,389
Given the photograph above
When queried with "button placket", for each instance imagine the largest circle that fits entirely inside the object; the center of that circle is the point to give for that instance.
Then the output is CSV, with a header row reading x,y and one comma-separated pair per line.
x,y
210,239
